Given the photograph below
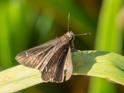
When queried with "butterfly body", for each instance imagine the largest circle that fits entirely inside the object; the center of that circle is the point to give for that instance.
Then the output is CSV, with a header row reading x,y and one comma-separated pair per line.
x,y
53,58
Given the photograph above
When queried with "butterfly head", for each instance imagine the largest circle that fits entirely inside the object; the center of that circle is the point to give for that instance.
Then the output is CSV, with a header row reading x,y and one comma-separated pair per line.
x,y
70,35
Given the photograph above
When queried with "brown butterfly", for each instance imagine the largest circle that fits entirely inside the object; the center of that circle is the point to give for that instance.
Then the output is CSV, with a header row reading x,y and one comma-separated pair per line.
x,y
53,58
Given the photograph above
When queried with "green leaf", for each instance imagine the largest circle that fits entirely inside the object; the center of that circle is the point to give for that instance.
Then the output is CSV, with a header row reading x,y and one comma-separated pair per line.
x,y
102,64
92,63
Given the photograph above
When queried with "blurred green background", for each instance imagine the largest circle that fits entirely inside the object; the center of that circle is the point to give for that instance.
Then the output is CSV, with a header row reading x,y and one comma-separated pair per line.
x,y
27,23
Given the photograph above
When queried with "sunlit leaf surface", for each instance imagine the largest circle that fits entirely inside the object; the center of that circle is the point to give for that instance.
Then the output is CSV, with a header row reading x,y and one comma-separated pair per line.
x,y
92,63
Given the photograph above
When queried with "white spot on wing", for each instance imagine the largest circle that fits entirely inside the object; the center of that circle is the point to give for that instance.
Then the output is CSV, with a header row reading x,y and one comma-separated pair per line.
x,y
26,53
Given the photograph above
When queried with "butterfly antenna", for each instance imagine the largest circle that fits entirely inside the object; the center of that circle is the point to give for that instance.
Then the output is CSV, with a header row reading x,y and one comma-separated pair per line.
x,y
68,28
84,34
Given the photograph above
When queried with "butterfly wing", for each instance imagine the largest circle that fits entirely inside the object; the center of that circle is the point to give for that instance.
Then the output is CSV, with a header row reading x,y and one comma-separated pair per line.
x,y
54,70
37,57
68,67
53,59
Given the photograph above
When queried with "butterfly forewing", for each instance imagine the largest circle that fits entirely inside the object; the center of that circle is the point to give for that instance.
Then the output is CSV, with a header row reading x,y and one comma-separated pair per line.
x,y
32,57
68,67
54,70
